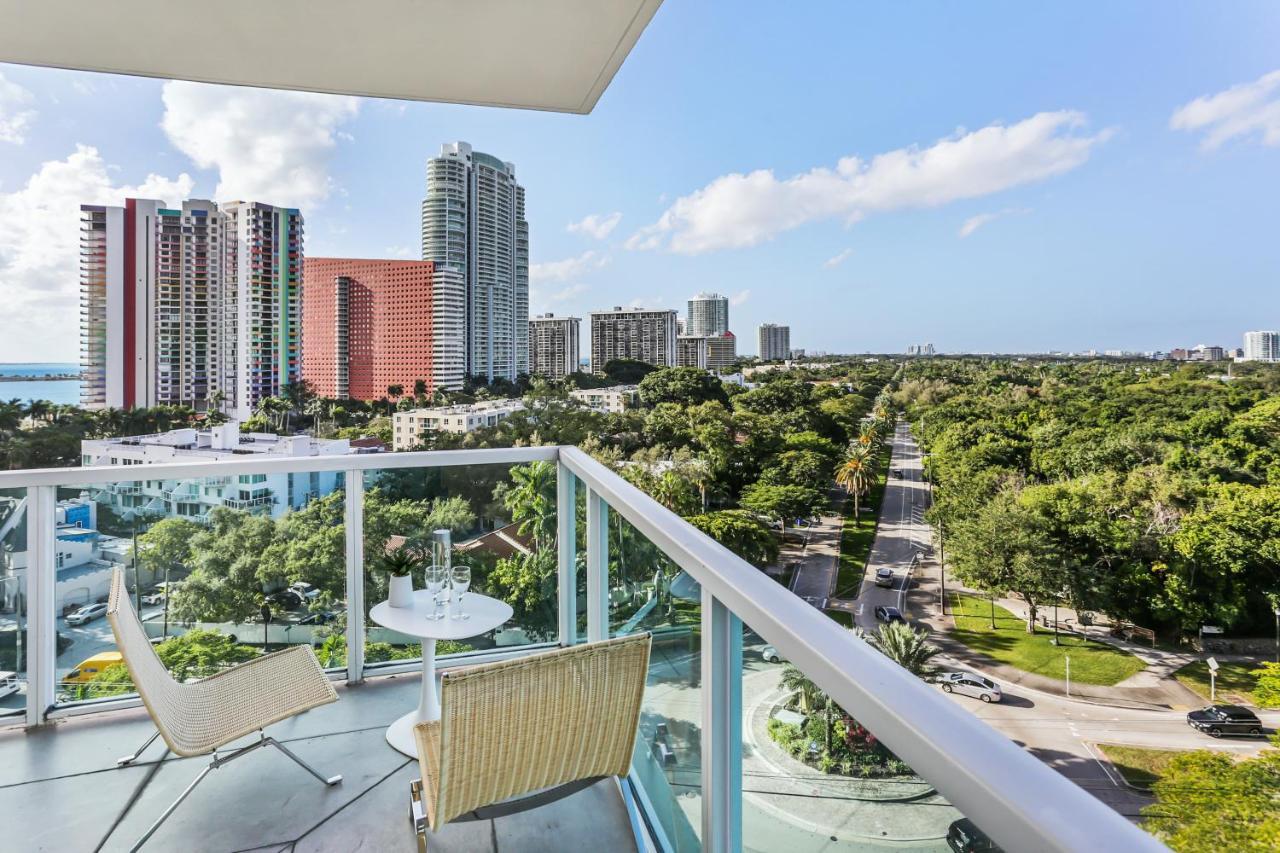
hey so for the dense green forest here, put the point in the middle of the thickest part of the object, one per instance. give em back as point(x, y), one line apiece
point(1148, 491)
point(727, 458)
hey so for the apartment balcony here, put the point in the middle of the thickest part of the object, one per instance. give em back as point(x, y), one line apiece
point(704, 774)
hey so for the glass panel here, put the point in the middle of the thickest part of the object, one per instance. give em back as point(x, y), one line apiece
point(220, 571)
point(648, 592)
point(814, 779)
point(580, 559)
point(13, 601)
point(502, 521)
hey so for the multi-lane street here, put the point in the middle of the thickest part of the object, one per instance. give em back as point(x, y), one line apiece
point(1062, 732)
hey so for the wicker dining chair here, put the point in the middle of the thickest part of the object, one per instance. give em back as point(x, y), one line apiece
point(552, 723)
point(200, 717)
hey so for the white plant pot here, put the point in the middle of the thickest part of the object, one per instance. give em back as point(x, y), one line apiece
point(401, 591)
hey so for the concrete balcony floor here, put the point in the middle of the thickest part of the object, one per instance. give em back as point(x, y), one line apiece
point(60, 790)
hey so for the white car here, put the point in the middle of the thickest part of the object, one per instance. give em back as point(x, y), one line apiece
point(884, 577)
point(154, 597)
point(87, 614)
point(770, 654)
point(970, 684)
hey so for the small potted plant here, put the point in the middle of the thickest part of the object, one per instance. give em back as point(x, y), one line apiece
point(399, 564)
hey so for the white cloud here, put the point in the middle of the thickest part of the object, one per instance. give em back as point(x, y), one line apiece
point(596, 225)
point(1243, 110)
point(738, 210)
point(39, 247)
point(269, 146)
point(836, 260)
point(973, 223)
point(566, 269)
point(740, 298)
point(16, 115)
point(398, 252)
point(539, 296)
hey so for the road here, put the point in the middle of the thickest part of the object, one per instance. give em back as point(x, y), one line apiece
point(902, 531)
point(1062, 732)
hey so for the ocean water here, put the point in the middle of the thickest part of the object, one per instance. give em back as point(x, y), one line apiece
point(62, 392)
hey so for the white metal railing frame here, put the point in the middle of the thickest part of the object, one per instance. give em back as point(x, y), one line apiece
point(1020, 802)
point(1015, 798)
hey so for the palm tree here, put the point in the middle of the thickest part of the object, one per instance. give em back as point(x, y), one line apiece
point(795, 681)
point(907, 647)
point(855, 475)
point(531, 500)
point(811, 697)
point(394, 392)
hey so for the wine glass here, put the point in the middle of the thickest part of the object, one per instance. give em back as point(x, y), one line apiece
point(436, 577)
point(461, 578)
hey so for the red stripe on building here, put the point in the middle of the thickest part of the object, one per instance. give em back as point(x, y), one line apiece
point(130, 301)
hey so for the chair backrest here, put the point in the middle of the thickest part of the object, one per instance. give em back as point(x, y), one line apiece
point(537, 722)
point(160, 692)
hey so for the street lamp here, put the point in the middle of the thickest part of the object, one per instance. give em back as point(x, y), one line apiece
point(1277, 612)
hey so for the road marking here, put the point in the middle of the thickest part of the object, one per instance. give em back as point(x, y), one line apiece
point(1102, 765)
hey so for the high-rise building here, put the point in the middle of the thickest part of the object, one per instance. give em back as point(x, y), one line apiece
point(774, 342)
point(722, 351)
point(554, 347)
point(473, 221)
point(1262, 346)
point(641, 334)
point(691, 352)
point(262, 302)
point(164, 291)
point(708, 315)
point(370, 324)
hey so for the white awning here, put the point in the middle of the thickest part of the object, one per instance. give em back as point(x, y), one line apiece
point(537, 54)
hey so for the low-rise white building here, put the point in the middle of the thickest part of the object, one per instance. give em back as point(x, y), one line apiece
point(193, 498)
point(409, 425)
point(611, 400)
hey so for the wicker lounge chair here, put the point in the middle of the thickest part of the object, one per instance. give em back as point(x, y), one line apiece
point(200, 717)
point(552, 723)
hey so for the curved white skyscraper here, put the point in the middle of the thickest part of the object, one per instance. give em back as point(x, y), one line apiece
point(473, 221)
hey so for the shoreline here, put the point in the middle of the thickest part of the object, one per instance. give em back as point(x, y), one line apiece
point(48, 377)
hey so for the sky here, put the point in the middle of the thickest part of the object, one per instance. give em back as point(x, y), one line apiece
point(1005, 177)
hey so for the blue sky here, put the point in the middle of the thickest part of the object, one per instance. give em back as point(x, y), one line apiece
point(1105, 206)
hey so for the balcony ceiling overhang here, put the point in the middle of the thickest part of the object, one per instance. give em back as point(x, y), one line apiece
point(555, 55)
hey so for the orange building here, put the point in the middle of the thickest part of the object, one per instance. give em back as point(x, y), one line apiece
point(367, 325)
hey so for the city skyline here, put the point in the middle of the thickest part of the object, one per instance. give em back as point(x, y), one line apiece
point(1022, 204)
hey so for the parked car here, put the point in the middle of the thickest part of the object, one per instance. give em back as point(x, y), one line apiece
point(889, 614)
point(770, 654)
point(304, 590)
point(285, 599)
point(884, 577)
point(87, 614)
point(320, 617)
point(970, 684)
point(963, 836)
point(155, 596)
point(1219, 720)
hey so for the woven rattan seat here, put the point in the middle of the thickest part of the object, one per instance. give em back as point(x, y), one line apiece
point(540, 722)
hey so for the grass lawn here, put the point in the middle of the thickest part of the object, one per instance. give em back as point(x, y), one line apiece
point(1234, 681)
point(1140, 767)
point(1091, 662)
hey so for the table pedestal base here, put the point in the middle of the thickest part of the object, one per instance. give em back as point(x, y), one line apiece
point(400, 734)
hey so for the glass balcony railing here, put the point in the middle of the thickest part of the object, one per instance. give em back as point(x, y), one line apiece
point(764, 725)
